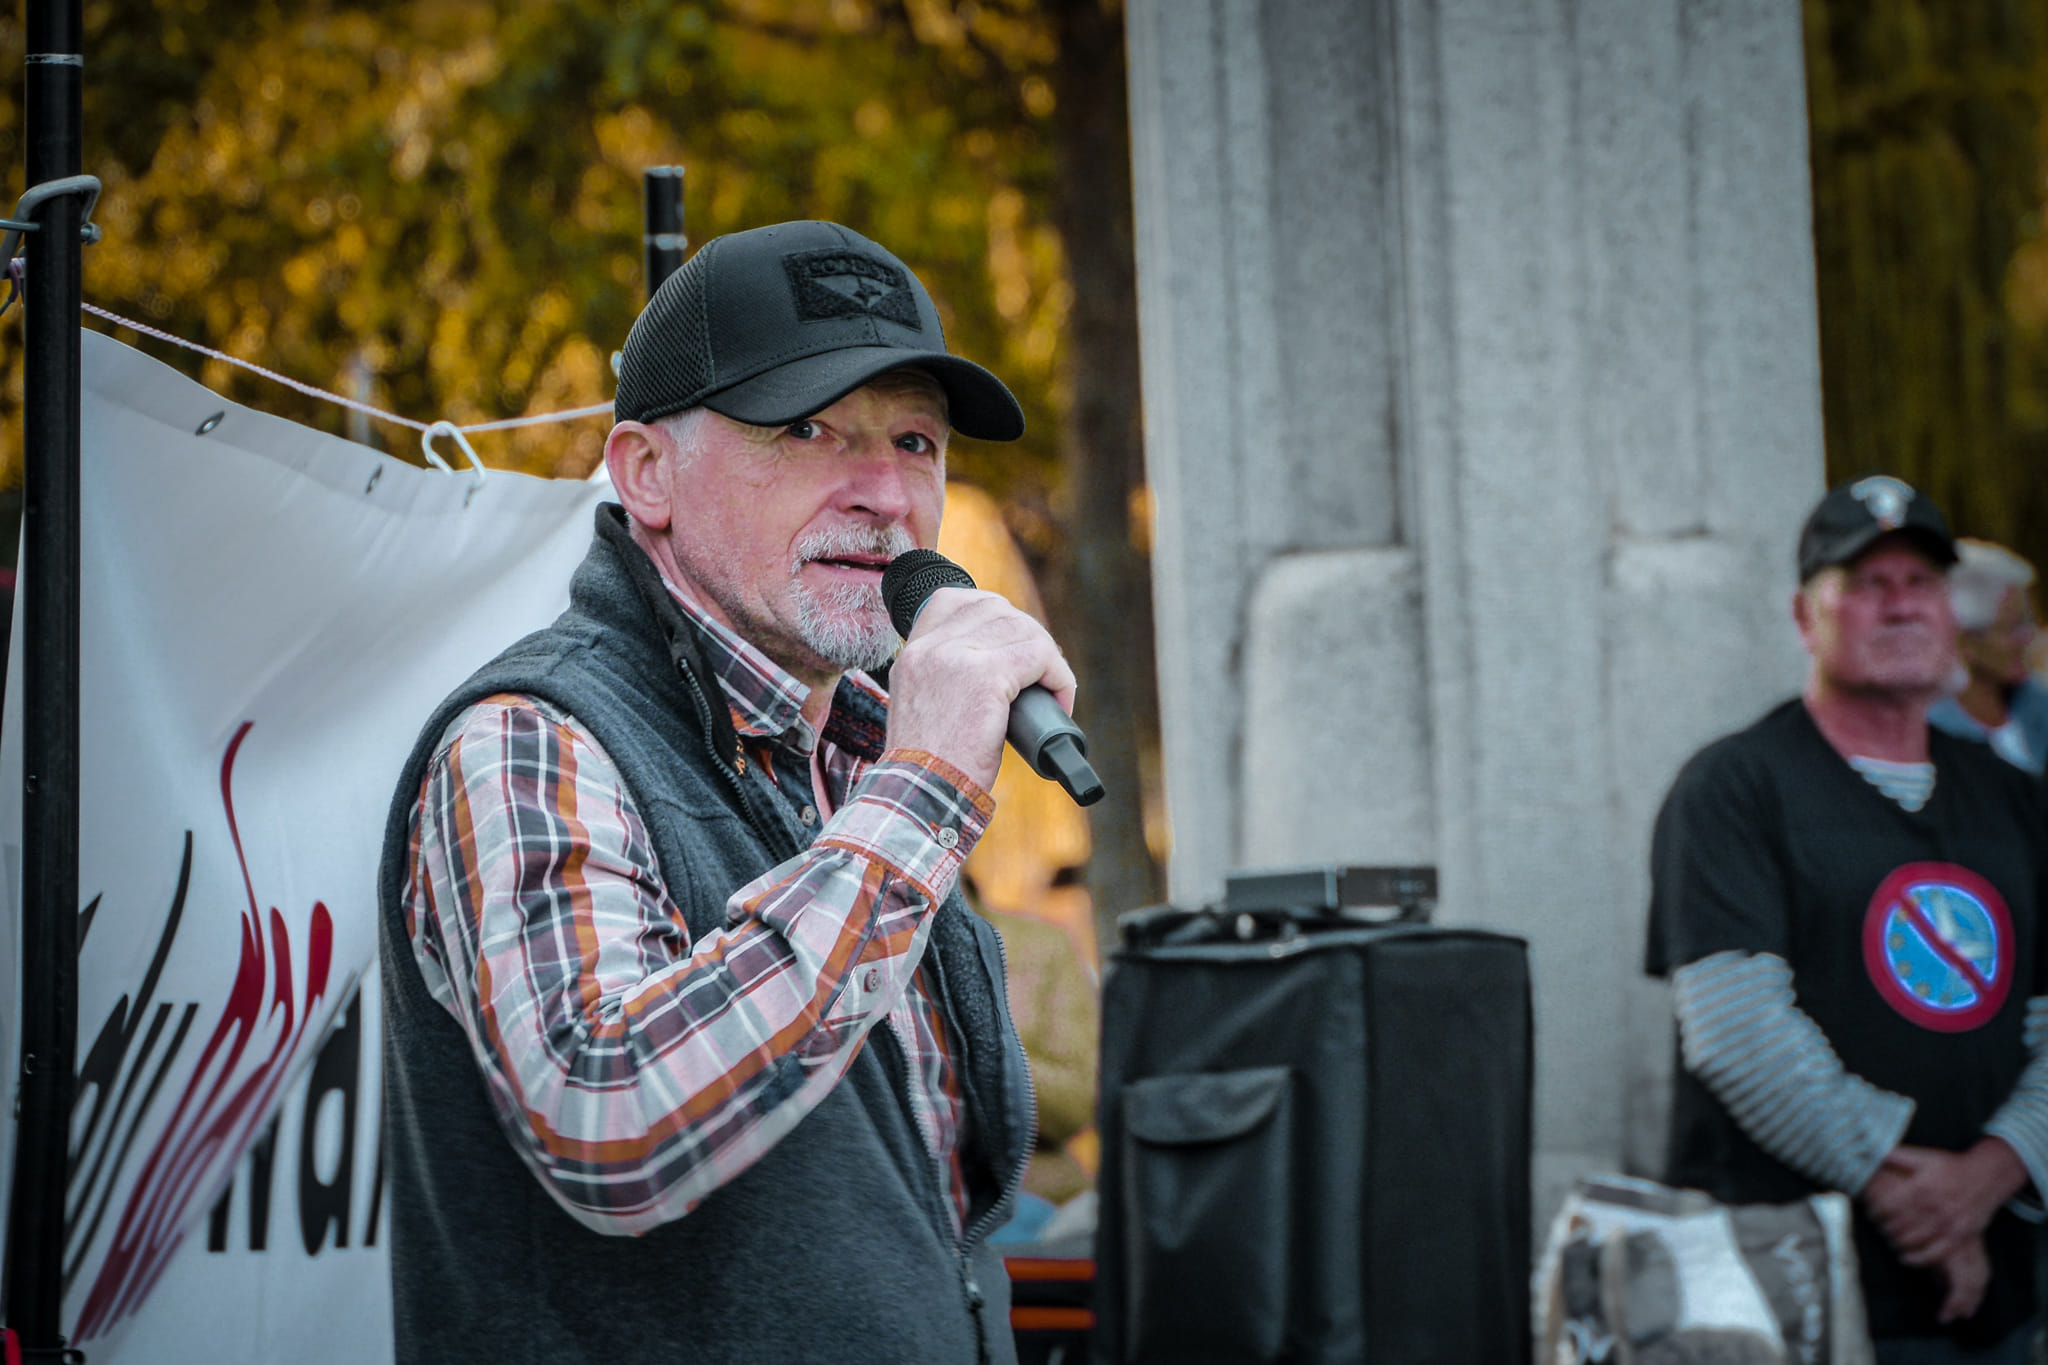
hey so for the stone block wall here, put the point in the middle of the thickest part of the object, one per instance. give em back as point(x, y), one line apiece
point(1482, 405)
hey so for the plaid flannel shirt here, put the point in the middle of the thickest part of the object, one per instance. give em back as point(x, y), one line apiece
point(631, 1068)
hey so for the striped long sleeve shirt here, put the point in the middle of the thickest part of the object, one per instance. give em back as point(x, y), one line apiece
point(632, 1069)
point(1743, 1034)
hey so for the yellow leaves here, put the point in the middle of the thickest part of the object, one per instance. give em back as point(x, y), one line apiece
point(936, 23)
point(475, 65)
point(1027, 277)
point(357, 313)
point(251, 337)
point(852, 16)
point(1142, 512)
point(302, 274)
point(576, 376)
point(451, 342)
point(219, 155)
point(516, 375)
point(1023, 34)
point(1038, 346)
point(448, 191)
point(952, 212)
point(428, 87)
point(747, 127)
point(1928, 145)
point(411, 157)
point(731, 188)
point(2026, 286)
point(1008, 265)
point(171, 218)
point(604, 200)
point(872, 119)
point(550, 312)
point(1037, 94)
point(632, 140)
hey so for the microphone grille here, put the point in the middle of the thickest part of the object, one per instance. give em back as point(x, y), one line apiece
point(914, 576)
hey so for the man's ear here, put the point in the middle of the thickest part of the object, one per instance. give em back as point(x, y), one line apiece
point(1802, 610)
point(633, 457)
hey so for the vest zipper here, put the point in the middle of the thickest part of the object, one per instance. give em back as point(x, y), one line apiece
point(1016, 1182)
point(976, 1300)
point(726, 768)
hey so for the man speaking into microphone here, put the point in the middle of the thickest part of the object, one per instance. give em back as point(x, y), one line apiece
point(693, 1049)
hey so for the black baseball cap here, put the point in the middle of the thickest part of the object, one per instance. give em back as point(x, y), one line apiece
point(773, 324)
point(1853, 515)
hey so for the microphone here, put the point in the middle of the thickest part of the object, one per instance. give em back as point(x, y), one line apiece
point(1039, 730)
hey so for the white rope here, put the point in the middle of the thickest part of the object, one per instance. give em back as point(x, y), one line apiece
point(505, 424)
point(568, 415)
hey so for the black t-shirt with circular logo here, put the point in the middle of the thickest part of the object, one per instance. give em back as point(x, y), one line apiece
point(1914, 941)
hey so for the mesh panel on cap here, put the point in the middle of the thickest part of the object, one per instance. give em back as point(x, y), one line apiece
point(667, 361)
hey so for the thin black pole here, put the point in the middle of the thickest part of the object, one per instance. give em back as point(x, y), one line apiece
point(665, 240)
point(50, 561)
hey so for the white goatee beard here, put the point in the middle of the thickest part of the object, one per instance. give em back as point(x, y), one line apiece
point(847, 625)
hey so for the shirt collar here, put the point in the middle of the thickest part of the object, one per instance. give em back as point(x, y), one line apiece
point(767, 703)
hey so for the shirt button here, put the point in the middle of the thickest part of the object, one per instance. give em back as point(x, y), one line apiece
point(948, 837)
point(809, 815)
point(873, 980)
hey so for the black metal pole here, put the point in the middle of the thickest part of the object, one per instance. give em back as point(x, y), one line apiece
point(665, 240)
point(50, 562)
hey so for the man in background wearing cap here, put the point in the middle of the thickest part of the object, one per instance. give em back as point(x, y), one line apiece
point(1848, 906)
point(693, 1050)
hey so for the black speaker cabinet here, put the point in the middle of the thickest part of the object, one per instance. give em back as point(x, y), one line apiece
point(1315, 1133)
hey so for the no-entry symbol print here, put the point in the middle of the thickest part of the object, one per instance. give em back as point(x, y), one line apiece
point(1937, 941)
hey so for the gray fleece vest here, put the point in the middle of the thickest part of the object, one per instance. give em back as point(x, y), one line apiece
point(836, 1246)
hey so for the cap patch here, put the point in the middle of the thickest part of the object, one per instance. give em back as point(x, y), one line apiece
point(1885, 498)
point(838, 283)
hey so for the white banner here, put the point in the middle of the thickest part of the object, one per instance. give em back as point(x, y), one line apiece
point(268, 614)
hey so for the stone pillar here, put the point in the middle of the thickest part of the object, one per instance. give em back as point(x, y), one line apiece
point(1482, 404)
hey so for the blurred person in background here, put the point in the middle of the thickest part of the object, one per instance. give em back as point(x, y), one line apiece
point(1848, 903)
point(1999, 700)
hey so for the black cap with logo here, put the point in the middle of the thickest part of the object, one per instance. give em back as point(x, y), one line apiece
point(771, 325)
point(1853, 515)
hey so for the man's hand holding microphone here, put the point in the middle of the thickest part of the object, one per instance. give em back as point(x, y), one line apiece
point(975, 670)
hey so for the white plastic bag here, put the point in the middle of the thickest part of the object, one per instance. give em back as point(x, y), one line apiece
point(1637, 1273)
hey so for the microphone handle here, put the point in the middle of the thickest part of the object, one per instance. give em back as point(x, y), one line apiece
point(1052, 744)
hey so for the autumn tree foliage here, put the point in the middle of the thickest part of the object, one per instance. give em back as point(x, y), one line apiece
point(1930, 173)
point(435, 206)
point(437, 202)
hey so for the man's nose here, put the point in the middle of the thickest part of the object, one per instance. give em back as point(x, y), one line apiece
point(877, 482)
point(1901, 602)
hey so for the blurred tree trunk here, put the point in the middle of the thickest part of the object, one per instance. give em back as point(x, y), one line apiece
point(1933, 275)
point(1107, 590)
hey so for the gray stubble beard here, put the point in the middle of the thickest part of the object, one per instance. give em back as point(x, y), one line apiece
point(847, 625)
